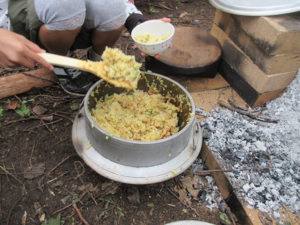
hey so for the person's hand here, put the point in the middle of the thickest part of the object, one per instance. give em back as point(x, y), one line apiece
point(164, 19)
point(17, 50)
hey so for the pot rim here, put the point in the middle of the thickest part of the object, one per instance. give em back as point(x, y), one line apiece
point(91, 121)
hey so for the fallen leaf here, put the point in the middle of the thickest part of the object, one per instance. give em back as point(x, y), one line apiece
point(183, 196)
point(183, 14)
point(134, 196)
point(89, 187)
point(47, 118)
point(191, 184)
point(37, 206)
point(34, 171)
point(53, 221)
point(65, 199)
point(42, 217)
point(24, 217)
point(39, 110)
point(13, 105)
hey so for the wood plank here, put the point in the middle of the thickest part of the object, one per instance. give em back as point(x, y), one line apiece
point(270, 64)
point(245, 67)
point(19, 83)
point(225, 187)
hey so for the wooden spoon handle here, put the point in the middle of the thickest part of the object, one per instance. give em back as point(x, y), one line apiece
point(64, 61)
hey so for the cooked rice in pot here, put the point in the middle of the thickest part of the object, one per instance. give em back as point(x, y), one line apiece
point(137, 115)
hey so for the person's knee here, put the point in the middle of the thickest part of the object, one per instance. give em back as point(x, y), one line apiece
point(61, 15)
point(105, 15)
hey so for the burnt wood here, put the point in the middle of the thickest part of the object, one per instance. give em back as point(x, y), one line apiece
point(248, 93)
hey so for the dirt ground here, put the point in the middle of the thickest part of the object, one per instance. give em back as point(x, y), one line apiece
point(41, 176)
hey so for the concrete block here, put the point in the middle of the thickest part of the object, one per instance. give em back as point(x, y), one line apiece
point(273, 34)
point(247, 69)
point(270, 64)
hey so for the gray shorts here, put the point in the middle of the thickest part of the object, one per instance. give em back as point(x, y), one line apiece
point(102, 15)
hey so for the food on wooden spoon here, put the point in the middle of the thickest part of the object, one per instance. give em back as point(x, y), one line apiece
point(117, 68)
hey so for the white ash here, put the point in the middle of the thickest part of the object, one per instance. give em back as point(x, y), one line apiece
point(209, 194)
point(239, 142)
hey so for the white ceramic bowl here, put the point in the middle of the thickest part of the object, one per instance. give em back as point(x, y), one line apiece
point(156, 27)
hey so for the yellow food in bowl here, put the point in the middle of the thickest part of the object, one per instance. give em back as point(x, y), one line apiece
point(137, 115)
point(151, 38)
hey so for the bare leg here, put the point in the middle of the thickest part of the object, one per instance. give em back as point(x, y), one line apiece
point(101, 39)
point(58, 42)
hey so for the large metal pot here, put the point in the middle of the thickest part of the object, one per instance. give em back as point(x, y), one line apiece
point(141, 153)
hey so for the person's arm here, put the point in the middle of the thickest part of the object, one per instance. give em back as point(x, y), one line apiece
point(17, 50)
point(134, 16)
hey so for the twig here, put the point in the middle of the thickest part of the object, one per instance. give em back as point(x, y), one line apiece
point(64, 116)
point(186, 205)
point(259, 118)
point(79, 214)
point(32, 150)
point(61, 175)
point(214, 89)
point(230, 214)
point(59, 142)
point(47, 127)
point(40, 125)
point(20, 120)
point(70, 93)
point(160, 5)
point(238, 107)
point(205, 172)
point(61, 162)
point(67, 206)
point(79, 176)
point(8, 173)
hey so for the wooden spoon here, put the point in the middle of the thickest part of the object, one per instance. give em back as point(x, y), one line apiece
point(96, 68)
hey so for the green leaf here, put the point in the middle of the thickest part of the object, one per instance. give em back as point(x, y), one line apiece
point(150, 205)
point(152, 9)
point(53, 221)
point(1, 111)
point(23, 110)
point(225, 219)
point(121, 211)
point(75, 106)
point(101, 215)
point(29, 100)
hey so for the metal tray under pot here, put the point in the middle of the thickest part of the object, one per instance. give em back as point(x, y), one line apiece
point(141, 153)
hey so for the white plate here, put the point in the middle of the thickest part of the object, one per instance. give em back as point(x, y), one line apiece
point(257, 7)
point(133, 175)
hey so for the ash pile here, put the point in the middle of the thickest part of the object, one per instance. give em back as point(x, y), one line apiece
point(271, 149)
